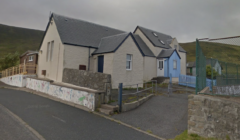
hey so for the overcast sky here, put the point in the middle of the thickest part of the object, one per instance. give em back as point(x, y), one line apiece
point(184, 19)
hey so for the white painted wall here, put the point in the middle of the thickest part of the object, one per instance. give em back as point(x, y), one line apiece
point(108, 63)
point(119, 72)
point(54, 68)
point(75, 56)
point(75, 96)
point(150, 68)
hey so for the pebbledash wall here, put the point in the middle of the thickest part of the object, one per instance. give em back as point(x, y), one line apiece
point(83, 98)
point(214, 116)
point(16, 80)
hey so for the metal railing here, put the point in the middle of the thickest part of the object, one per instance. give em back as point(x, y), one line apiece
point(135, 91)
point(19, 69)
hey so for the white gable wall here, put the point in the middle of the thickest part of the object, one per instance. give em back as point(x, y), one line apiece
point(53, 68)
point(119, 72)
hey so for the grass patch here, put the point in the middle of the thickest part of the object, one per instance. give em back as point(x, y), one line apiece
point(186, 136)
point(149, 131)
point(163, 85)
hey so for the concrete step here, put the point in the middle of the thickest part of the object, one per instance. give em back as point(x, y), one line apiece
point(106, 111)
point(109, 107)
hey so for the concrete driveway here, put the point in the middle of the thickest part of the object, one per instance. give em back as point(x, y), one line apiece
point(164, 116)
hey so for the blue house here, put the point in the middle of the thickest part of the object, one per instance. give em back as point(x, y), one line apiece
point(169, 63)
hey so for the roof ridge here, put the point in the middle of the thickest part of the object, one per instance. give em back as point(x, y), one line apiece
point(86, 21)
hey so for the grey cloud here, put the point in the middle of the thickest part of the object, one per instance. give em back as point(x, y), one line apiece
point(184, 19)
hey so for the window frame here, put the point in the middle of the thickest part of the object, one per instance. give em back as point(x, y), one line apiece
point(173, 64)
point(130, 61)
point(51, 50)
point(31, 58)
point(47, 52)
point(159, 64)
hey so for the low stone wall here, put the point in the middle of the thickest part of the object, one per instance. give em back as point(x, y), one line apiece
point(98, 81)
point(211, 116)
point(133, 105)
point(83, 98)
point(16, 80)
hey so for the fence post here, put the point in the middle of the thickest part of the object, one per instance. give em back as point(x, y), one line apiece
point(120, 97)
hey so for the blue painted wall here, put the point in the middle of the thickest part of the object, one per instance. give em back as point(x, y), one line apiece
point(168, 66)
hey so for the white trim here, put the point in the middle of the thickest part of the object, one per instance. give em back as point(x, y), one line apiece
point(30, 58)
point(130, 61)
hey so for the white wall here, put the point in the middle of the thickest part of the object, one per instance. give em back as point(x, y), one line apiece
point(108, 63)
point(150, 68)
point(75, 56)
point(119, 72)
point(16, 80)
point(75, 96)
point(54, 68)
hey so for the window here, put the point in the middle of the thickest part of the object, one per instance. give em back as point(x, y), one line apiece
point(161, 41)
point(48, 48)
point(30, 58)
point(52, 45)
point(82, 67)
point(129, 62)
point(160, 65)
point(155, 34)
point(174, 64)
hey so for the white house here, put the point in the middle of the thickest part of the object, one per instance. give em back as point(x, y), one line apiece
point(129, 57)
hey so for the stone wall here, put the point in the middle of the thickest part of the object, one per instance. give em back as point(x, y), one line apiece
point(211, 116)
point(93, 80)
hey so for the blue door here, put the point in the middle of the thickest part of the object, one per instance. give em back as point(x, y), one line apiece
point(100, 63)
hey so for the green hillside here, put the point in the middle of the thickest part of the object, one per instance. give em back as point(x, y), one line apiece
point(222, 52)
point(18, 39)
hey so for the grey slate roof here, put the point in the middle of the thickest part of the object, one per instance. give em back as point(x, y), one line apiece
point(167, 39)
point(165, 53)
point(111, 43)
point(78, 32)
point(181, 49)
point(156, 39)
point(144, 48)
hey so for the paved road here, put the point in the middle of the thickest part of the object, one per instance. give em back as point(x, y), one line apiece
point(57, 121)
point(12, 129)
point(164, 116)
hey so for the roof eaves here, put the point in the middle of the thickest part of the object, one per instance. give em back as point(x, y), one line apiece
point(121, 42)
point(137, 45)
point(80, 45)
point(45, 31)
